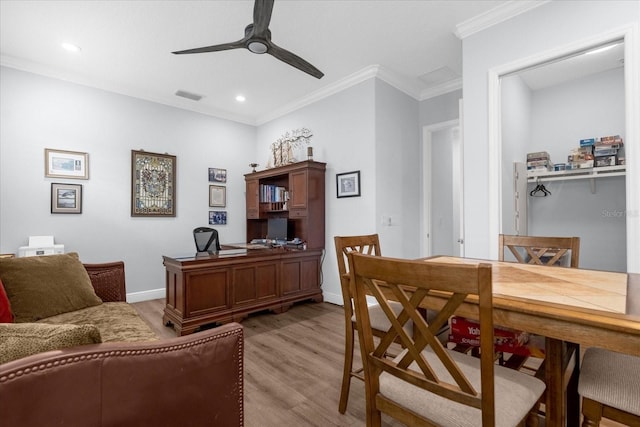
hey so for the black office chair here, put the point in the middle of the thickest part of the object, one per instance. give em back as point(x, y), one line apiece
point(204, 238)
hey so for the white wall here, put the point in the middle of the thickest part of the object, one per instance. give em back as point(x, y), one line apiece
point(439, 109)
point(344, 138)
point(372, 128)
point(540, 30)
point(38, 112)
point(398, 172)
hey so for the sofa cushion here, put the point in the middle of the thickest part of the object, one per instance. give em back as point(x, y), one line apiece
point(18, 340)
point(6, 316)
point(43, 286)
point(117, 321)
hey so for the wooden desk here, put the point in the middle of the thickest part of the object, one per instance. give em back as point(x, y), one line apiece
point(585, 307)
point(229, 285)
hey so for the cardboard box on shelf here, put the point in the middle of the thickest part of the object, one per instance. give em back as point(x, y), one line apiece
point(605, 161)
point(540, 164)
point(585, 164)
point(587, 141)
point(538, 155)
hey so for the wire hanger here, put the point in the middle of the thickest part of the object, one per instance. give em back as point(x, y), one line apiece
point(540, 190)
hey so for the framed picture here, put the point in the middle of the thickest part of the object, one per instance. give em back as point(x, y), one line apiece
point(348, 184)
point(66, 164)
point(217, 217)
point(217, 196)
point(66, 198)
point(217, 175)
point(153, 184)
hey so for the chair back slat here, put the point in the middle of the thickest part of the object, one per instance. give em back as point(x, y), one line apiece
point(540, 250)
point(425, 362)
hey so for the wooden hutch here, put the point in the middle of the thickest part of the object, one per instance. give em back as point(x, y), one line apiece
point(303, 183)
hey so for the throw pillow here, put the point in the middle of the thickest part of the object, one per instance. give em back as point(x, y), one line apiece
point(43, 286)
point(5, 308)
point(18, 340)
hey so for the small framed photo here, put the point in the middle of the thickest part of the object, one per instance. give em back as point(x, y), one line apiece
point(217, 196)
point(66, 164)
point(348, 184)
point(66, 198)
point(217, 175)
point(218, 217)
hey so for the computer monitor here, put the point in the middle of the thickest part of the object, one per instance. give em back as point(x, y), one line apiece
point(277, 229)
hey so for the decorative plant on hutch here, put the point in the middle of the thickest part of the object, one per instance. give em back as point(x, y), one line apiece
point(282, 149)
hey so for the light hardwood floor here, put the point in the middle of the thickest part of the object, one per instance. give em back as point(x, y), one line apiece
point(293, 367)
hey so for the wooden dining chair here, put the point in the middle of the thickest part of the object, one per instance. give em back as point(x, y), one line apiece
point(370, 245)
point(427, 384)
point(610, 387)
point(540, 250)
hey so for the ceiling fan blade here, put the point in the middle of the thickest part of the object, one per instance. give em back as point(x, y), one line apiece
point(262, 16)
point(214, 48)
point(294, 60)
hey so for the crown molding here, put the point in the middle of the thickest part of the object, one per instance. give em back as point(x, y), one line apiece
point(373, 71)
point(367, 73)
point(496, 15)
point(402, 84)
point(447, 87)
point(352, 80)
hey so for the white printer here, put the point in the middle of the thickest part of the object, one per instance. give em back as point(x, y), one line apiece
point(40, 245)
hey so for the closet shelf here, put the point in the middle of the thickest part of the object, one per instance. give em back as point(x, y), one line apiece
point(591, 173)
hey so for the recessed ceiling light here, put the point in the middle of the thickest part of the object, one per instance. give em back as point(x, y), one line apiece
point(71, 47)
point(240, 98)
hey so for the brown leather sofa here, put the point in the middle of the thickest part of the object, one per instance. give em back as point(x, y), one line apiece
point(194, 380)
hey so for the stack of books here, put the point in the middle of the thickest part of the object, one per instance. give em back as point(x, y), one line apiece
point(539, 161)
point(597, 152)
point(606, 151)
point(580, 157)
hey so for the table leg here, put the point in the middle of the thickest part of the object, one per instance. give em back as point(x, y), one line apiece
point(562, 361)
point(573, 398)
point(554, 406)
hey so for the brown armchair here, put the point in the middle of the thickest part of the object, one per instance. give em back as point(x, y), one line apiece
point(194, 380)
point(108, 281)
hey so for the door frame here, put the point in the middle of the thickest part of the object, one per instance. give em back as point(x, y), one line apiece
point(631, 36)
point(426, 246)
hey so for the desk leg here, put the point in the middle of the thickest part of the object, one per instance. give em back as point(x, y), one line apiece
point(554, 406)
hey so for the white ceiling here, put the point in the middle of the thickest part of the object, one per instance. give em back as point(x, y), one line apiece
point(126, 47)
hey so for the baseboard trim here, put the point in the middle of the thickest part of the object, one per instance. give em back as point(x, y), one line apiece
point(146, 295)
point(332, 298)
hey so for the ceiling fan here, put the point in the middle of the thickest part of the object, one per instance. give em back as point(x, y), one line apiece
point(257, 38)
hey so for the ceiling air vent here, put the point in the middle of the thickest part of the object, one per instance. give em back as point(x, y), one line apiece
point(189, 95)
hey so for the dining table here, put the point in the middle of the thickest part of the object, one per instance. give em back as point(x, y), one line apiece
point(569, 307)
